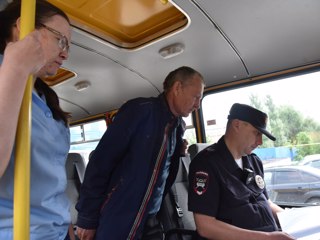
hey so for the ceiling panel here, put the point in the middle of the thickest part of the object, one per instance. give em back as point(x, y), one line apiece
point(269, 35)
point(127, 24)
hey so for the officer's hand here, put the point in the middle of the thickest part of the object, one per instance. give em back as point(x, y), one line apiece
point(85, 234)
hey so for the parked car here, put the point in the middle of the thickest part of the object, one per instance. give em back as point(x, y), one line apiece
point(293, 185)
point(311, 160)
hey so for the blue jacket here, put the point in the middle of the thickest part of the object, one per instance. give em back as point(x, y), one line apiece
point(120, 175)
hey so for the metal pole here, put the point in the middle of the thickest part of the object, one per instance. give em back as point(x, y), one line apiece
point(21, 205)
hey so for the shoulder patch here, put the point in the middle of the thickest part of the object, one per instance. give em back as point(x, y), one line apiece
point(201, 181)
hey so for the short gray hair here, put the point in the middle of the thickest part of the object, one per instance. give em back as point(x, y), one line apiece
point(182, 74)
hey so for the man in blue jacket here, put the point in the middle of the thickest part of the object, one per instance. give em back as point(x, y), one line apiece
point(137, 160)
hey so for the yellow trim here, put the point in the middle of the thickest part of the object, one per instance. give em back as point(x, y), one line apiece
point(95, 117)
point(61, 76)
point(21, 208)
point(124, 23)
point(89, 119)
point(197, 125)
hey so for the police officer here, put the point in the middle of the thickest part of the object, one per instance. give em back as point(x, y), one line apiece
point(227, 193)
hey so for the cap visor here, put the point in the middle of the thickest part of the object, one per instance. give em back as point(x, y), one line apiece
point(265, 132)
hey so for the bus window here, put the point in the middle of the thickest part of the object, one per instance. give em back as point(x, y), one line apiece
point(85, 137)
point(294, 119)
point(190, 133)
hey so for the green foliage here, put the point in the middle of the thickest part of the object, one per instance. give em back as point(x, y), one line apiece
point(190, 136)
point(304, 147)
point(289, 127)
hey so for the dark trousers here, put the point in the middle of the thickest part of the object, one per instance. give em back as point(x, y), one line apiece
point(153, 229)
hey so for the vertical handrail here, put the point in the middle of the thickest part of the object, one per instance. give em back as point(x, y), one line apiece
point(21, 205)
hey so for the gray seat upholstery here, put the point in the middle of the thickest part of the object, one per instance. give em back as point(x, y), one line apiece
point(75, 168)
point(79, 163)
point(177, 220)
point(174, 212)
point(195, 148)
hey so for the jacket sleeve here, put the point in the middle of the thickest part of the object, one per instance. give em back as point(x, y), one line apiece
point(107, 155)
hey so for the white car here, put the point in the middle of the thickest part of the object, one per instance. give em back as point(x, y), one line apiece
point(311, 160)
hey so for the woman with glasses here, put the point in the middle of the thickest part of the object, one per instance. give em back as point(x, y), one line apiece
point(41, 54)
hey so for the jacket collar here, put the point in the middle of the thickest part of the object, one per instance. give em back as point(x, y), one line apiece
point(230, 163)
point(167, 112)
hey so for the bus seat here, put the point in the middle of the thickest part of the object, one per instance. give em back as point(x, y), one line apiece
point(79, 163)
point(195, 148)
point(75, 169)
point(177, 220)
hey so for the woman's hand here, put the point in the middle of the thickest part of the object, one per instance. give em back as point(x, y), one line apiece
point(25, 56)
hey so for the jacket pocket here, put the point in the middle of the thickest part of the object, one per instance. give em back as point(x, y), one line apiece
point(111, 196)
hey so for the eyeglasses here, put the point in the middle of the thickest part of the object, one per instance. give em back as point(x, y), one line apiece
point(62, 39)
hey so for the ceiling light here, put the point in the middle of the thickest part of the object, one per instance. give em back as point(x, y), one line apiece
point(171, 50)
point(82, 85)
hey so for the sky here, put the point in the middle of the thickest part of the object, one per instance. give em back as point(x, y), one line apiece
point(301, 92)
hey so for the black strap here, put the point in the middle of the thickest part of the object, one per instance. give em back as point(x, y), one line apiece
point(186, 162)
point(179, 211)
point(173, 191)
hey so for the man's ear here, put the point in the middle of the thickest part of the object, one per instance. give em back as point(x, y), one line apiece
point(176, 87)
point(18, 24)
point(236, 124)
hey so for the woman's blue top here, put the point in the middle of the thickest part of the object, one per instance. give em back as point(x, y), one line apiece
point(49, 205)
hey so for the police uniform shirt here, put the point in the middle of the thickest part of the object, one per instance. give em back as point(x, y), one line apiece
point(221, 189)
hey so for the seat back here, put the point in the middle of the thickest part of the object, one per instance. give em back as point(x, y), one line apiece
point(177, 220)
point(174, 212)
point(79, 163)
point(195, 148)
point(75, 168)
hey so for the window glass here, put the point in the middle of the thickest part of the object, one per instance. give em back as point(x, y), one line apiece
point(294, 177)
point(95, 130)
point(309, 178)
point(76, 134)
point(285, 177)
point(292, 106)
point(190, 133)
point(267, 178)
point(315, 164)
point(85, 137)
point(188, 121)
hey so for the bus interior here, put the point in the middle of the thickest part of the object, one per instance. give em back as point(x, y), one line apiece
point(262, 53)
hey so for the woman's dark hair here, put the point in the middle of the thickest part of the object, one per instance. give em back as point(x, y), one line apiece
point(9, 16)
point(44, 11)
point(52, 101)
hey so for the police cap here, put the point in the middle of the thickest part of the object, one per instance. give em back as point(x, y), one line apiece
point(251, 115)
